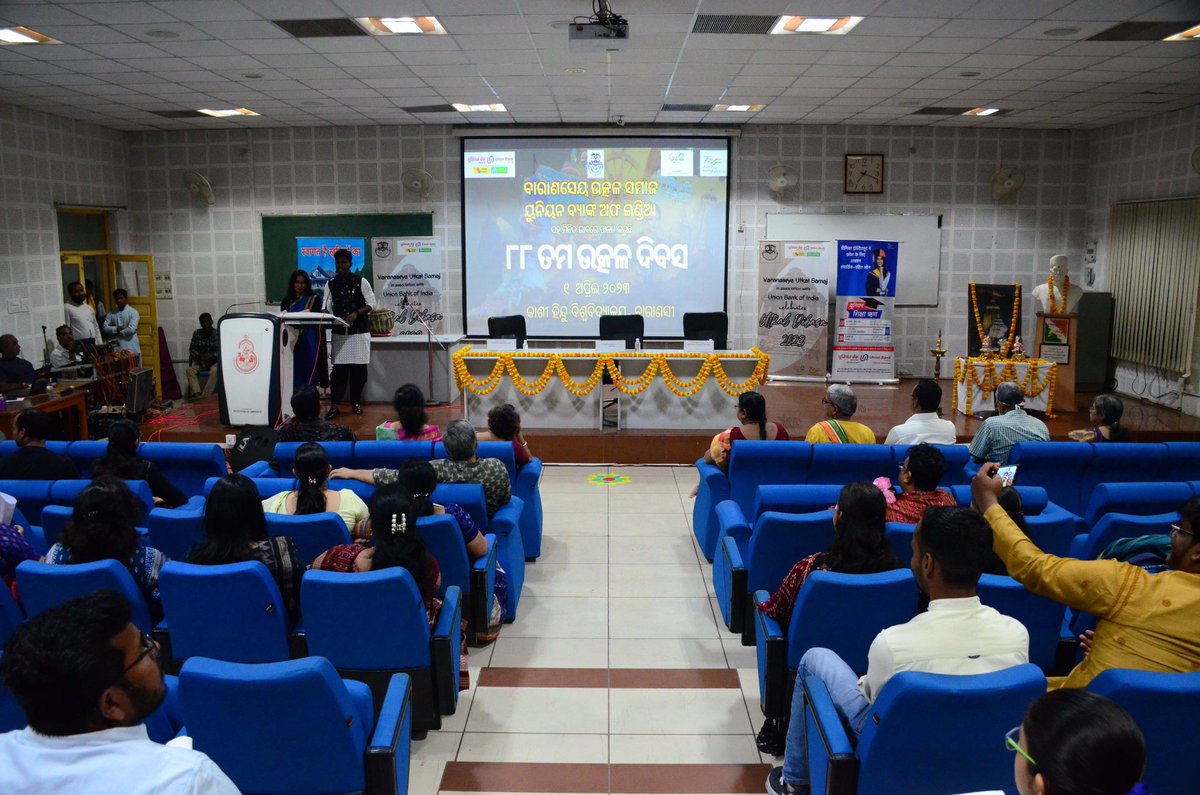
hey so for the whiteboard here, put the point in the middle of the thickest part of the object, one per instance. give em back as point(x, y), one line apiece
point(919, 238)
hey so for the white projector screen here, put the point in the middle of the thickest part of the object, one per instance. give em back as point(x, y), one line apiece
point(563, 230)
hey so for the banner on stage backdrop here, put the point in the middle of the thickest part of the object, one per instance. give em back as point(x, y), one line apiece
point(793, 305)
point(409, 281)
point(863, 348)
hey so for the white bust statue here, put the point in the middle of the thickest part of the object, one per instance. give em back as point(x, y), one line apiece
point(1062, 284)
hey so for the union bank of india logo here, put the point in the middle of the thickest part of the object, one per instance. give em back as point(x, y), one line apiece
point(246, 360)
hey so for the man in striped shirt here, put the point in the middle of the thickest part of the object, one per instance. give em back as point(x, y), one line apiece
point(996, 438)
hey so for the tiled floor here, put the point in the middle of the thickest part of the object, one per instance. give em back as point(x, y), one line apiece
point(616, 676)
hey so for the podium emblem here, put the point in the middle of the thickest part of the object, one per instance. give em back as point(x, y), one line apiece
point(246, 360)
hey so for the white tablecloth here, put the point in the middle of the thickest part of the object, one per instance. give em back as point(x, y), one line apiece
point(984, 403)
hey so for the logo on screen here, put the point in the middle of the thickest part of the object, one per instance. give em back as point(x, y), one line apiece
point(595, 163)
point(383, 249)
point(246, 360)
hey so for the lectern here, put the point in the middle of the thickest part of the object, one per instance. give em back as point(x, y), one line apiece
point(255, 377)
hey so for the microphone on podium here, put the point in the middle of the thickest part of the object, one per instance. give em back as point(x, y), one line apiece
point(242, 303)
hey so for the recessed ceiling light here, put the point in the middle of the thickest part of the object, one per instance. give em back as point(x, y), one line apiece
point(220, 114)
point(575, 70)
point(981, 111)
point(1188, 35)
point(1060, 32)
point(389, 26)
point(737, 108)
point(20, 35)
point(495, 107)
point(159, 33)
point(829, 25)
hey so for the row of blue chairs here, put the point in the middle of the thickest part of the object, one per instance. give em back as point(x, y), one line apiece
point(185, 464)
point(390, 455)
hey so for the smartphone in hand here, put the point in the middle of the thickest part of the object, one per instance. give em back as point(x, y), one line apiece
point(1007, 475)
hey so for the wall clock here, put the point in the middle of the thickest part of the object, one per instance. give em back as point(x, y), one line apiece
point(863, 174)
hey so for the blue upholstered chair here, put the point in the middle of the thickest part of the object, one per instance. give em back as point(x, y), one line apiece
point(1058, 467)
point(313, 533)
point(11, 616)
point(899, 535)
point(232, 612)
point(842, 612)
point(64, 492)
point(187, 465)
point(925, 733)
point(1166, 707)
point(1184, 460)
point(1126, 462)
point(752, 560)
point(505, 525)
point(957, 456)
point(524, 485)
point(9, 447)
point(295, 727)
point(1115, 526)
point(85, 452)
point(31, 496)
point(1034, 499)
point(805, 498)
point(174, 532)
point(46, 585)
point(1041, 617)
point(373, 624)
point(1141, 499)
point(840, 464)
point(389, 454)
point(713, 489)
point(1053, 530)
point(443, 539)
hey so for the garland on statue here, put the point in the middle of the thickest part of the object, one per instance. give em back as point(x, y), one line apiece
point(1066, 290)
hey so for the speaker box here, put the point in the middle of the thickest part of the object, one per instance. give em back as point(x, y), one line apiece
point(253, 444)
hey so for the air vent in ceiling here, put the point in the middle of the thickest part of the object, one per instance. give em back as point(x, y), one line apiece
point(181, 114)
point(688, 108)
point(320, 28)
point(1139, 31)
point(752, 24)
point(938, 111)
point(430, 109)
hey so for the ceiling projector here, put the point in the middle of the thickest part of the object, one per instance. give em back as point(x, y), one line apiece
point(597, 36)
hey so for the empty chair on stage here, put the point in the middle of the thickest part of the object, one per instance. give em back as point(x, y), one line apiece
point(707, 326)
point(507, 327)
point(629, 328)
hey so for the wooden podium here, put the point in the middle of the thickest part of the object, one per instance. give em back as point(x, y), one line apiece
point(1056, 343)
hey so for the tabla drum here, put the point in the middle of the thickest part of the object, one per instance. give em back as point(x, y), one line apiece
point(382, 321)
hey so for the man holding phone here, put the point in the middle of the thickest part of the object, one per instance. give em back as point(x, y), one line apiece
point(996, 438)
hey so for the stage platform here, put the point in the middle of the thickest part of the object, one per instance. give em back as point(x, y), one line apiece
point(796, 405)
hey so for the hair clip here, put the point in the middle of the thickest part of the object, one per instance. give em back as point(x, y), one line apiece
point(401, 527)
point(312, 481)
point(421, 495)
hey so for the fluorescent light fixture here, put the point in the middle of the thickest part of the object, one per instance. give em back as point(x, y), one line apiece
point(835, 26)
point(220, 114)
point(391, 26)
point(495, 107)
point(1191, 34)
point(981, 111)
point(20, 35)
point(737, 108)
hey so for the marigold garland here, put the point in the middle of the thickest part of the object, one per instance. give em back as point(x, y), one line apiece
point(965, 371)
point(1066, 290)
point(658, 365)
point(1012, 326)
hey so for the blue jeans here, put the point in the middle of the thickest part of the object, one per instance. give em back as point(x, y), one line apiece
point(851, 705)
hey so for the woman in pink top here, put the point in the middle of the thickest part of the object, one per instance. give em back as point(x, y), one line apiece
point(412, 424)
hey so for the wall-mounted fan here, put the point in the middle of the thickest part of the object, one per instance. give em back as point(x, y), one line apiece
point(1006, 181)
point(418, 181)
point(781, 179)
point(199, 186)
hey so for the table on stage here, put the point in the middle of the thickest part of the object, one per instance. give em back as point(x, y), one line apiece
point(976, 379)
point(73, 407)
point(655, 389)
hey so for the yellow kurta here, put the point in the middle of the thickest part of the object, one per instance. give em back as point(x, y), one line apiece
point(855, 431)
point(1146, 622)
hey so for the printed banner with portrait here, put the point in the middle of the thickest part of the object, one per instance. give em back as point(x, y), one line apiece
point(863, 347)
point(409, 282)
point(992, 310)
point(793, 305)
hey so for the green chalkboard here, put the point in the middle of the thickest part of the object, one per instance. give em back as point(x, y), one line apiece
point(280, 233)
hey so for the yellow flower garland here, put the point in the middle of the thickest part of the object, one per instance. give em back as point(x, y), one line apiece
point(1054, 308)
point(658, 365)
point(1012, 326)
point(965, 371)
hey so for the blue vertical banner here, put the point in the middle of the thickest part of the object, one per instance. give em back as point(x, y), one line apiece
point(863, 348)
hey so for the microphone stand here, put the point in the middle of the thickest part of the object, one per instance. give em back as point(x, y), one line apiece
point(430, 339)
point(243, 303)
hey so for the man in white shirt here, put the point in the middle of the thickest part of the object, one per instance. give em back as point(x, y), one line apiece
point(957, 635)
point(87, 678)
point(122, 323)
point(62, 355)
point(924, 425)
point(81, 317)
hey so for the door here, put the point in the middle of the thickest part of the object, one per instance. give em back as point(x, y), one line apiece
point(135, 274)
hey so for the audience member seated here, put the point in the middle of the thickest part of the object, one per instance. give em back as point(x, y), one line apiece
point(15, 372)
point(14, 550)
point(101, 528)
point(419, 478)
point(311, 468)
point(1105, 415)
point(752, 424)
point(204, 353)
point(504, 425)
point(924, 425)
point(86, 679)
point(840, 405)
point(957, 635)
point(394, 542)
point(235, 531)
point(1073, 741)
point(463, 466)
point(412, 423)
point(1146, 622)
point(919, 476)
point(33, 461)
point(64, 354)
point(306, 425)
point(121, 461)
point(995, 439)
